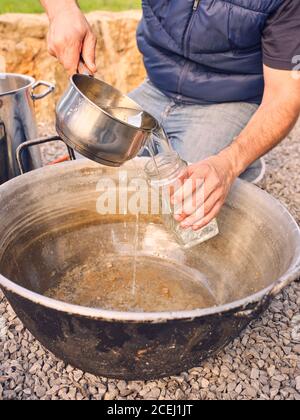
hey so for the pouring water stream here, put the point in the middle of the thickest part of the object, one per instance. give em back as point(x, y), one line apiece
point(134, 117)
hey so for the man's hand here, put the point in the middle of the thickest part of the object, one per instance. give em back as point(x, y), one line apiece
point(216, 176)
point(272, 122)
point(70, 37)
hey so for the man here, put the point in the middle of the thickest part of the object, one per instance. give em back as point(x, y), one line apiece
point(221, 81)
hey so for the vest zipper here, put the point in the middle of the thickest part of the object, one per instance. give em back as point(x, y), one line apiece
point(196, 4)
point(186, 42)
point(189, 28)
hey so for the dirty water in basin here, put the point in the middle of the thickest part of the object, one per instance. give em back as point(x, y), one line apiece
point(159, 285)
point(82, 258)
point(129, 280)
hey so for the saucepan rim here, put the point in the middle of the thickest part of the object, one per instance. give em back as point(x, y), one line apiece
point(273, 289)
point(30, 80)
point(138, 108)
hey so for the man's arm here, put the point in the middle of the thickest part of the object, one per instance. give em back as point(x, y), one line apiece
point(70, 37)
point(272, 122)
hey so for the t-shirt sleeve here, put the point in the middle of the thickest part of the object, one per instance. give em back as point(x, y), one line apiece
point(281, 37)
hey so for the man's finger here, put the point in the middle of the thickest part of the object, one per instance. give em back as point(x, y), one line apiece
point(70, 58)
point(83, 69)
point(189, 186)
point(51, 48)
point(195, 173)
point(190, 204)
point(209, 217)
point(187, 172)
point(195, 192)
point(89, 52)
point(210, 185)
point(202, 211)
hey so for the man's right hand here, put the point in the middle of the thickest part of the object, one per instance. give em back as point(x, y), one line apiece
point(70, 37)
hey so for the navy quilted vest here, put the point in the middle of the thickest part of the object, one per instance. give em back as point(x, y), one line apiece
point(205, 51)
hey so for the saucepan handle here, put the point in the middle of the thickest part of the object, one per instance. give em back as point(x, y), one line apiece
point(82, 69)
point(50, 88)
point(28, 144)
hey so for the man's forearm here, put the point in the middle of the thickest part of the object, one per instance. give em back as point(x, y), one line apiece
point(269, 126)
point(52, 7)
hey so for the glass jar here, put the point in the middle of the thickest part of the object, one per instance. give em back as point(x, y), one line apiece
point(162, 172)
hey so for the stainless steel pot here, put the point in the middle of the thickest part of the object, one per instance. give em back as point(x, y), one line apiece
point(17, 121)
point(101, 123)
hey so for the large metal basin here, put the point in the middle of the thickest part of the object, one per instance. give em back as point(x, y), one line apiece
point(49, 224)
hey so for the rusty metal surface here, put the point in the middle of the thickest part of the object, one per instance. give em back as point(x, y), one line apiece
point(254, 257)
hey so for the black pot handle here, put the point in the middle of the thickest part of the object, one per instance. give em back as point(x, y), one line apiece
point(28, 144)
point(3, 127)
point(3, 151)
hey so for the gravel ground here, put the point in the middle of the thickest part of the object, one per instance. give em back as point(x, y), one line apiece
point(264, 363)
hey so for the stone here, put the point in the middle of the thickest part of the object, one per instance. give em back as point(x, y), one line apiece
point(204, 383)
point(34, 368)
point(239, 389)
point(251, 392)
point(271, 371)
point(40, 391)
point(296, 349)
point(77, 375)
point(153, 394)
point(255, 374)
point(298, 383)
